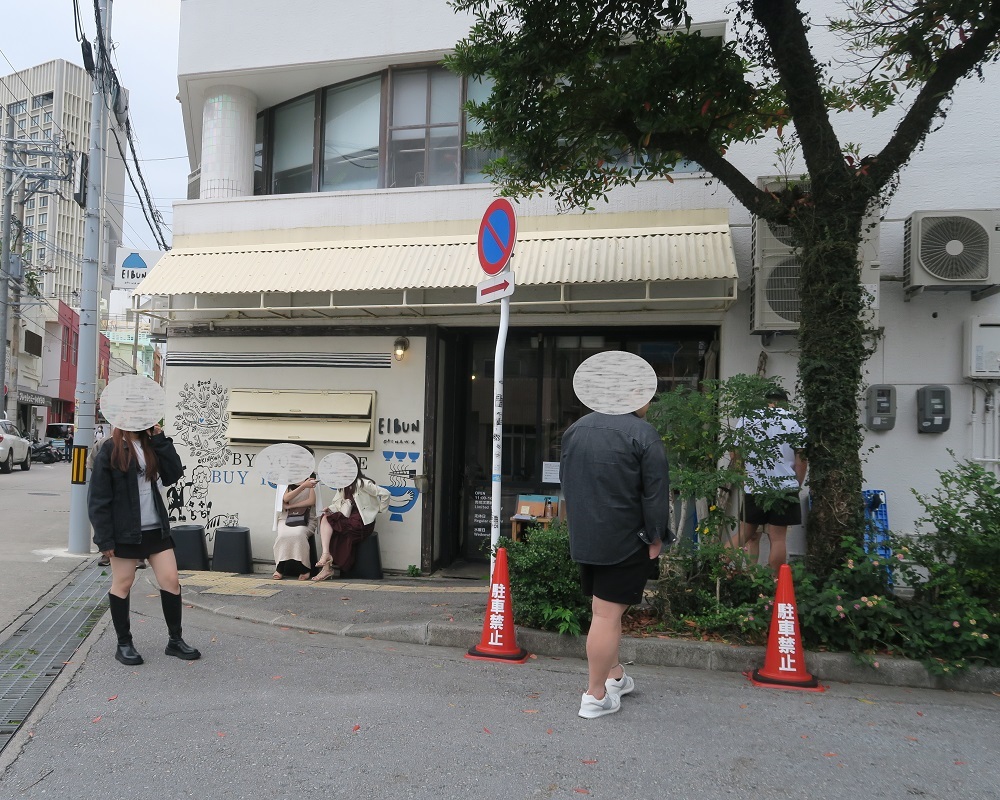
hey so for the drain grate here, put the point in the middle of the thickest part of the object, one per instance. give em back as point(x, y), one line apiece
point(34, 655)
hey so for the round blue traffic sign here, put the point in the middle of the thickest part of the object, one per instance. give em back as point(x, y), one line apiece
point(497, 233)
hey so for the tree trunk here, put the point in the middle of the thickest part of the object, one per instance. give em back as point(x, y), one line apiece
point(831, 337)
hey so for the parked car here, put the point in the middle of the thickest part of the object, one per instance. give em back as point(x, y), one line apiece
point(14, 448)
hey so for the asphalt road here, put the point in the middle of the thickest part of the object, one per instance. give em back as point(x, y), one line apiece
point(282, 713)
point(34, 533)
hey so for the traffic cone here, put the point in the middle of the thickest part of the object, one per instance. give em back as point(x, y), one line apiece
point(499, 642)
point(785, 663)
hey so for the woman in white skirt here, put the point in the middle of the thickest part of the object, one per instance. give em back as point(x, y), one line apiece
point(292, 557)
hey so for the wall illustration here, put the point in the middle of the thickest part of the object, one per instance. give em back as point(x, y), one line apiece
point(401, 470)
point(202, 421)
point(202, 424)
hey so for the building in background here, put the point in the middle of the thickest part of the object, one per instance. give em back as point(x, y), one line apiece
point(322, 285)
point(50, 105)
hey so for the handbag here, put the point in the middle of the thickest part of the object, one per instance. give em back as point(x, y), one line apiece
point(298, 517)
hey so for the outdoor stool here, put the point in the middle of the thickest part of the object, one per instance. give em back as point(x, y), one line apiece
point(368, 561)
point(232, 550)
point(190, 547)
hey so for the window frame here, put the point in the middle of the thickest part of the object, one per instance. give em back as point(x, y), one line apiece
point(319, 95)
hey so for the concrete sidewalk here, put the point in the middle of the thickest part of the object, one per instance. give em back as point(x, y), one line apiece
point(449, 612)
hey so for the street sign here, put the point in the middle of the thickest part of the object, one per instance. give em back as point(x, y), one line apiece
point(497, 233)
point(133, 265)
point(494, 288)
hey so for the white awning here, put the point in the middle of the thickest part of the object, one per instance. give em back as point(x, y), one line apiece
point(692, 265)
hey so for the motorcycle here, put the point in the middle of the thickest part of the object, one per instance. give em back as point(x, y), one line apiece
point(45, 453)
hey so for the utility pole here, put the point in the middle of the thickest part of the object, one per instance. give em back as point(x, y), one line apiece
point(90, 300)
point(8, 207)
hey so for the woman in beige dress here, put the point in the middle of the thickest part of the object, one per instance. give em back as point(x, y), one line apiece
point(291, 545)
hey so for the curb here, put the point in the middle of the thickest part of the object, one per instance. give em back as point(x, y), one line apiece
point(839, 667)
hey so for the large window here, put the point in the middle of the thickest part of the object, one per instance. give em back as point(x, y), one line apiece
point(292, 158)
point(350, 136)
point(401, 128)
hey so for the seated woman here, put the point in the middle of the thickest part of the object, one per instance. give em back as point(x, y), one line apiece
point(291, 546)
point(347, 522)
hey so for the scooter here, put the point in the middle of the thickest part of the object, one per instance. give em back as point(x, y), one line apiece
point(45, 453)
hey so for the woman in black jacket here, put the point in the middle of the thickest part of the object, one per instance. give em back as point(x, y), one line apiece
point(131, 523)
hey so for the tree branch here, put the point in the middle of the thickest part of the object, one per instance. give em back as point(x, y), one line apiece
point(916, 124)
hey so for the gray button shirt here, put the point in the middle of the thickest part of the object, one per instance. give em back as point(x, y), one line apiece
point(616, 483)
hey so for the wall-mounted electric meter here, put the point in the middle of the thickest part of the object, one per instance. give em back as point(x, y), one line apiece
point(880, 407)
point(933, 409)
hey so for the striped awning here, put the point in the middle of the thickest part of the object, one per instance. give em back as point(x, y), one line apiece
point(409, 273)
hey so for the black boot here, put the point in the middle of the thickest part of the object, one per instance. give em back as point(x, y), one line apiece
point(172, 615)
point(126, 653)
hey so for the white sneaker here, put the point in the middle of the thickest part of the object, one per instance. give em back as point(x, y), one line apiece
point(591, 707)
point(624, 685)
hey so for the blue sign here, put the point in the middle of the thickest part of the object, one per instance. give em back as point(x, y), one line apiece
point(497, 233)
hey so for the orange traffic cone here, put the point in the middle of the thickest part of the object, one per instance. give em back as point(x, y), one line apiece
point(785, 663)
point(499, 642)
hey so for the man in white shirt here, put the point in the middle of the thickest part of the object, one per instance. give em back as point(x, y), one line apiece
point(775, 467)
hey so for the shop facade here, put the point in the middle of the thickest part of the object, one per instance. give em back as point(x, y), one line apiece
point(334, 211)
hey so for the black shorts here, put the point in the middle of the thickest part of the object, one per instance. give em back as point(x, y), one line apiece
point(782, 512)
point(153, 541)
point(621, 583)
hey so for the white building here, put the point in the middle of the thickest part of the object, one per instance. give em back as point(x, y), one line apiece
point(334, 212)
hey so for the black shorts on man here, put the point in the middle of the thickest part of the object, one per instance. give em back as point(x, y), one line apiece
point(621, 583)
point(781, 512)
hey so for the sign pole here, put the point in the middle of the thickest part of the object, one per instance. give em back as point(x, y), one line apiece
point(498, 428)
point(494, 246)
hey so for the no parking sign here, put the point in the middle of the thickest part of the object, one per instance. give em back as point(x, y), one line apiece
point(497, 233)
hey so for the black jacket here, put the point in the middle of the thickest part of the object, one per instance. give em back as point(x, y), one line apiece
point(113, 502)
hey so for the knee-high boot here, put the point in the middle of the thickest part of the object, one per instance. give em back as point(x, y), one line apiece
point(172, 616)
point(126, 652)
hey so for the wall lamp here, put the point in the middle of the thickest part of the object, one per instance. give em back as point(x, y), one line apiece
point(399, 347)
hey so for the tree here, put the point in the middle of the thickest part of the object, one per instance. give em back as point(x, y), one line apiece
point(589, 95)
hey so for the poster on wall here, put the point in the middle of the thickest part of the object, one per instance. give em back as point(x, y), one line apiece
point(477, 539)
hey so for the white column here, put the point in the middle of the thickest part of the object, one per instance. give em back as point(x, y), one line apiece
point(229, 121)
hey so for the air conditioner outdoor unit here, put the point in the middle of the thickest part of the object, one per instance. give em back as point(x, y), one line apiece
point(776, 305)
point(951, 250)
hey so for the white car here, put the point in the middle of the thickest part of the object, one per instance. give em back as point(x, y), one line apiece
point(14, 448)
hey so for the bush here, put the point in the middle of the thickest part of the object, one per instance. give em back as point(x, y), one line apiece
point(545, 582)
point(703, 592)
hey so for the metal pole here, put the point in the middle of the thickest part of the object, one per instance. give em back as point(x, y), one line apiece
point(86, 370)
point(8, 201)
point(135, 343)
point(498, 427)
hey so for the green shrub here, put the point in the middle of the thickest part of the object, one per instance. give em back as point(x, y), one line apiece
point(545, 582)
point(706, 592)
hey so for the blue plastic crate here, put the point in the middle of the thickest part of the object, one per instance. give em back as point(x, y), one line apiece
point(877, 526)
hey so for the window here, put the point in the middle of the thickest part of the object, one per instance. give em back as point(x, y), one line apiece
point(76, 346)
point(477, 90)
point(351, 135)
point(29, 222)
point(344, 137)
point(423, 130)
point(41, 100)
point(43, 202)
point(41, 236)
point(43, 219)
point(33, 136)
point(32, 343)
point(294, 125)
point(48, 116)
point(65, 343)
point(17, 108)
point(34, 119)
point(31, 203)
point(41, 254)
